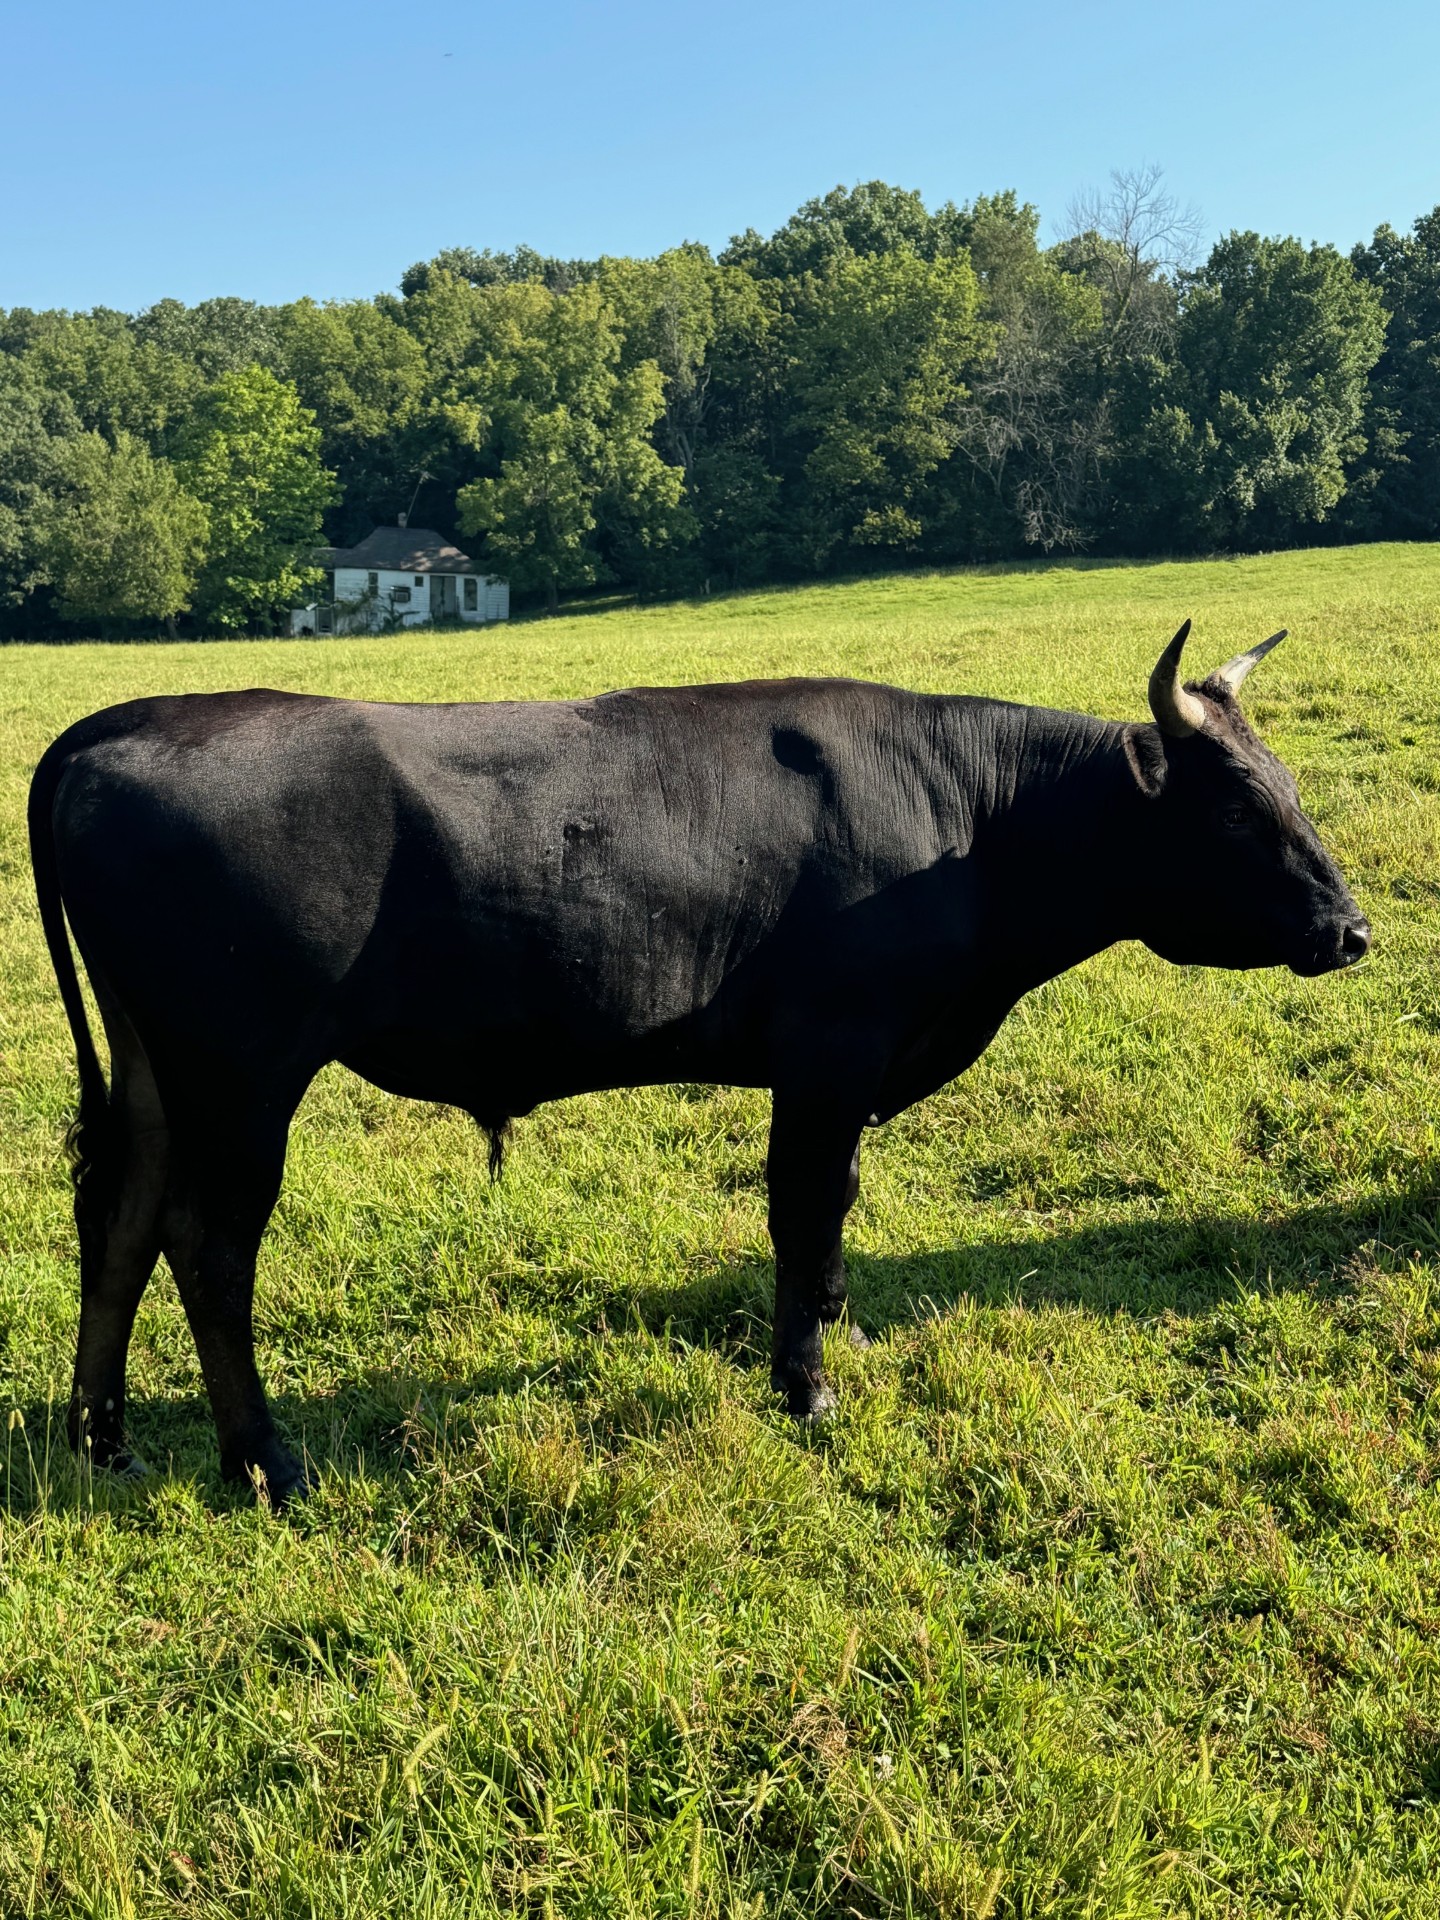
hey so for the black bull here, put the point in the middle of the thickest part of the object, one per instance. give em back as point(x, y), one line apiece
point(834, 890)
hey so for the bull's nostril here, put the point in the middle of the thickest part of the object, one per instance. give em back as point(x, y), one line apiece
point(1355, 941)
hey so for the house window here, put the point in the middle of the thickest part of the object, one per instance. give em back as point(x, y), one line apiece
point(372, 582)
point(472, 593)
point(419, 579)
point(401, 596)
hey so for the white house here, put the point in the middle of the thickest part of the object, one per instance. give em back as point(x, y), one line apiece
point(399, 576)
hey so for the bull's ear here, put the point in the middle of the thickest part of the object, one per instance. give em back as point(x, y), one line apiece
point(1145, 750)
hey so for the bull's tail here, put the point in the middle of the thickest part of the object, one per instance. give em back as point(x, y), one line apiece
point(90, 1142)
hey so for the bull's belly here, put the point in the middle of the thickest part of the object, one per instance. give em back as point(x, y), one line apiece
point(500, 1072)
point(500, 1014)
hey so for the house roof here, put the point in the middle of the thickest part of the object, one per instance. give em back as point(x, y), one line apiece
point(399, 550)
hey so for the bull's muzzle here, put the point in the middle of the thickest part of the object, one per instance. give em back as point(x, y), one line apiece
point(1337, 944)
point(1354, 942)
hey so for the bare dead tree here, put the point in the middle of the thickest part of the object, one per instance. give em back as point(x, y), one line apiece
point(1141, 217)
point(687, 383)
point(1129, 241)
point(1030, 427)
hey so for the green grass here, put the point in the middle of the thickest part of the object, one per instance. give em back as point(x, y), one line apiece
point(1113, 1589)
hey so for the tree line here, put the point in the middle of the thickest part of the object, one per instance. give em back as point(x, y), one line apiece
point(873, 384)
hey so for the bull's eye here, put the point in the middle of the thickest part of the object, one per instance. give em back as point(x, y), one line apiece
point(1234, 818)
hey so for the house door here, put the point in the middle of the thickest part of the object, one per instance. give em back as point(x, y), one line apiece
point(442, 595)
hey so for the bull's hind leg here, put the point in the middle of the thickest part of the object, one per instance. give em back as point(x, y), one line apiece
point(122, 1157)
point(220, 1199)
point(813, 1170)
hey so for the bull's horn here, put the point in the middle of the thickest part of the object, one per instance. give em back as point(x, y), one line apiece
point(1176, 712)
point(1234, 671)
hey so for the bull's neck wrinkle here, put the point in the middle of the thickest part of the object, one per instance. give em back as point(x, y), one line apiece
point(1009, 757)
point(1053, 818)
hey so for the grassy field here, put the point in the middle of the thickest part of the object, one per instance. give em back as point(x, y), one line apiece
point(1113, 1588)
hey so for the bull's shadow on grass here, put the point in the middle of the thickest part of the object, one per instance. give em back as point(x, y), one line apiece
point(1164, 1265)
point(1186, 1267)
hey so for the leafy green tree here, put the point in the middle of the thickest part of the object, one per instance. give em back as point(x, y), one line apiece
point(1396, 492)
point(567, 434)
point(865, 220)
point(705, 327)
point(251, 455)
point(357, 371)
point(738, 509)
point(116, 381)
point(878, 350)
point(125, 541)
point(487, 269)
point(876, 377)
point(700, 323)
point(36, 424)
point(1243, 436)
point(216, 336)
point(468, 337)
point(1033, 427)
point(539, 514)
point(363, 375)
point(645, 521)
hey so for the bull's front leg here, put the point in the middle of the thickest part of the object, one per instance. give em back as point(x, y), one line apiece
point(813, 1170)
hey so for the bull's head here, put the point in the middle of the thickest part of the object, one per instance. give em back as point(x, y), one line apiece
point(1239, 876)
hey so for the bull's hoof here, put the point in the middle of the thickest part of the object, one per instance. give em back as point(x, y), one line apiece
point(127, 1466)
point(282, 1486)
point(823, 1403)
point(808, 1401)
point(102, 1452)
point(858, 1338)
point(276, 1478)
point(97, 1439)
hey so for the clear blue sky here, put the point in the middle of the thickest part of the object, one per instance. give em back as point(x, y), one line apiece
point(270, 150)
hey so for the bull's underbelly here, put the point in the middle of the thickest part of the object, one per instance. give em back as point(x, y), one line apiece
point(502, 1075)
point(529, 1011)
